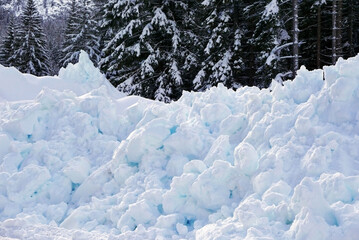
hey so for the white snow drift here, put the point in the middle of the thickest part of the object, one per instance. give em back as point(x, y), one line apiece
point(80, 161)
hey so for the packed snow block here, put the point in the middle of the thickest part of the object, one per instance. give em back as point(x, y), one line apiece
point(338, 188)
point(122, 173)
point(222, 213)
point(309, 195)
point(27, 123)
point(4, 176)
point(24, 186)
point(307, 225)
point(146, 139)
point(250, 213)
point(52, 98)
point(233, 124)
point(343, 95)
point(77, 169)
point(169, 221)
point(214, 113)
point(77, 218)
point(309, 82)
point(246, 158)
point(347, 216)
point(83, 126)
point(279, 192)
point(58, 189)
point(253, 102)
point(221, 149)
point(11, 162)
point(348, 68)
point(344, 89)
point(181, 229)
point(141, 212)
point(4, 146)
point(263, 180)
point(304, 127)
point(119, 156)
point(56, 212)
point(178, 198)
point(194, 141)
point(175, 165)
point(194, 166)
point(93, 185)
point(331, 74)
point(216, 186)
point(82, 72)
point(317, 160)
point(135, 112)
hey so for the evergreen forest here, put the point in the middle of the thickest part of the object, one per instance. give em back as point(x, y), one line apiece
point(159, 48)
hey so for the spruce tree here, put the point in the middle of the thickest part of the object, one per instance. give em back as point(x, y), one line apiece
point(152, 46)
point(9, 45)
point(80, 34)
point(222, 59)
point(270, 41)
point(54, 29)
point(31, 54)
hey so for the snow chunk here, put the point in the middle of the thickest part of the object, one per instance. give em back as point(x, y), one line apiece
point(77, 169)
point(27, 184)
point(246, 157)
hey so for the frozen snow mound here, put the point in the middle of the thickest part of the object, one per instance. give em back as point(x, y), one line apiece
point(278, 163)
point(79, 78)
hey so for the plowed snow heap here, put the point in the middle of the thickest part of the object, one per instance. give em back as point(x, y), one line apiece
point(78, 160)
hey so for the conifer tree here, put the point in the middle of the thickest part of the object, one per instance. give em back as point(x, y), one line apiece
point(151, 47)
point(270, 39)
point(109, 24)
point(31, 54)
point(9, 45)
point(80, 34)
point(222, 61)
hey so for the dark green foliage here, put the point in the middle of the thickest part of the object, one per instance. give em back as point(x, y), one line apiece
point(270, 41)
point(9, 45)
point(221, 57)
point(54, 31)
point(80, 34)
point(31, 55)
point(150, 48)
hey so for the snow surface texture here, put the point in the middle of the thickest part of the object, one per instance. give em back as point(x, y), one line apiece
point(86, 163)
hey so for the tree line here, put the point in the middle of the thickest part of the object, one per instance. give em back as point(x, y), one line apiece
point(159, 48)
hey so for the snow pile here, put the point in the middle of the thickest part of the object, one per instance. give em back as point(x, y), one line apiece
point(251, 164)
point(78, 78)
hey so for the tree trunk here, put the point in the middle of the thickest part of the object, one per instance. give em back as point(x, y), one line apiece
point(319, 34)
point(334, 32)
point(295, 37)
point(351, 29)
point(339, 28)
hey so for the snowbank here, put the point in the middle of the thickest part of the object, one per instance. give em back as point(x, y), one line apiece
point(78, 78)
point(280, 163)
